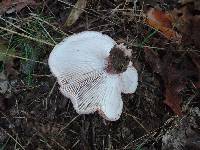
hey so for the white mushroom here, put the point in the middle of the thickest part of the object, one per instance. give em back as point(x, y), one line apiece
point(83, 65)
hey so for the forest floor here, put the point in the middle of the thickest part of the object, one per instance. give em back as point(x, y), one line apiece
point(163, 113)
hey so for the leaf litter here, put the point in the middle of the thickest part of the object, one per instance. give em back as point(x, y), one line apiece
point(7, 73)
point(171, 64)
point(161, 21)
point(75, 13)
point(180, 24)
point(10, 6)
point(176, 76)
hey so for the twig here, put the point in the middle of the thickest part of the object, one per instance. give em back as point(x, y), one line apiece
point(49, 95)
point(23, 58)
point(14, 139)
point(68, 124)
point(59, 144)
point(26, 36)
point(137, 121)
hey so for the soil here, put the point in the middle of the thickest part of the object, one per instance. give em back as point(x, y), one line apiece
point(35, 115)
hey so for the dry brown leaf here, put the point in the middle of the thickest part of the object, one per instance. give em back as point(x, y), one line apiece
point(75, 12)
point(186, 20)
point(153, 60)
point(162, 21)
point(174, 78)
point(195, 2)
point(175, 75)
point(173, 100)
point(10, 6)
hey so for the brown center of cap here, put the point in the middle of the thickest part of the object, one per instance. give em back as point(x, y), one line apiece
point(117, 61)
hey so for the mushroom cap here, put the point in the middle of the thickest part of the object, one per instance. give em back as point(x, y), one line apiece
point(80, 53)
point(129, 79)
point(79, 64)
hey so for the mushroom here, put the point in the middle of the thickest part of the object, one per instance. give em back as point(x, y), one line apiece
point(92, 70)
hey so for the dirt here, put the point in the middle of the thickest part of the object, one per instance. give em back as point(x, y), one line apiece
point(35, 115)
point(185, 135)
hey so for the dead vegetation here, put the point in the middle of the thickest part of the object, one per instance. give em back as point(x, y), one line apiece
point(34, 114)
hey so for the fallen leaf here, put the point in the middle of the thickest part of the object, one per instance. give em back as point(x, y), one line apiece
point(173, 100)
point(187, 23)
point(175, 75)
point(75, 12)
point(162, 21)
point(161, 67)
point(10, 6)
point(196, 3)
point(153, 60)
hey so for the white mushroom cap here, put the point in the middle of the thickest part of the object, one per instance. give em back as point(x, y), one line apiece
point(79, 64)
point(129, 79)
